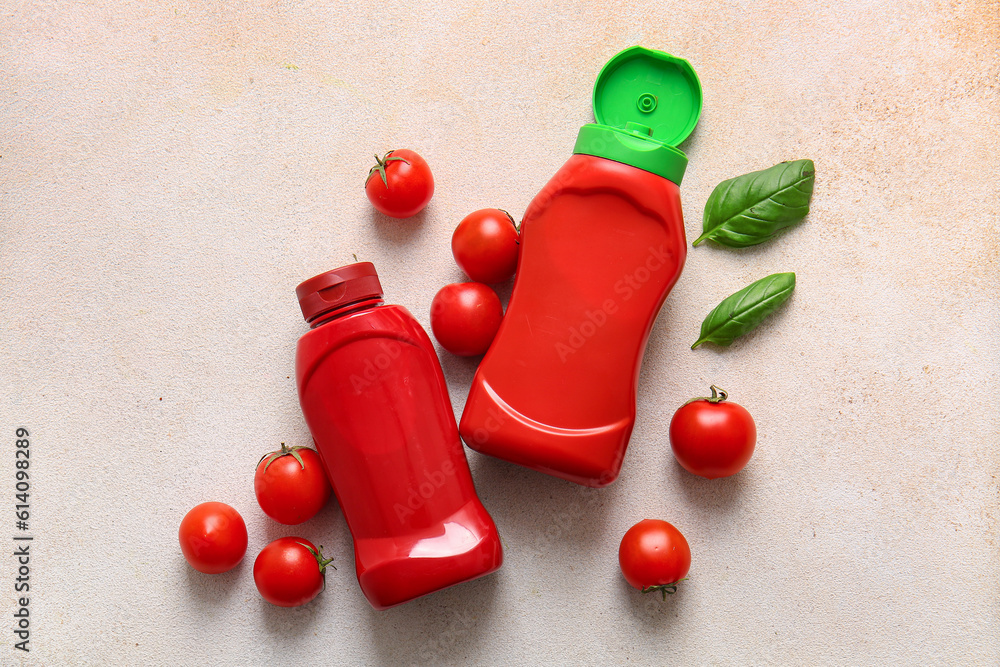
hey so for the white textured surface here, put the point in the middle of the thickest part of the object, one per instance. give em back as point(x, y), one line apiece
point(170, 173)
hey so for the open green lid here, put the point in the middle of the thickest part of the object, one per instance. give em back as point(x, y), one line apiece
point(646, 102)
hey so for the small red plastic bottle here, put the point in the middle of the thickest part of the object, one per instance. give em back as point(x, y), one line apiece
point(375, 400)
point(601, 246)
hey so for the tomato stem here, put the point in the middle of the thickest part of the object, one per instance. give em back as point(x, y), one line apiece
point(718, 396)
point(380, 167)
point(317, 553)
point(285, 451)
point(664, 589)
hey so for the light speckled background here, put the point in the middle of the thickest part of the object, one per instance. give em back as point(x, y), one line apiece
point(170, 173)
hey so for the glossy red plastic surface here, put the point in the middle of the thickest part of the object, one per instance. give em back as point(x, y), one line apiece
point(601, 246)
point(375, 400)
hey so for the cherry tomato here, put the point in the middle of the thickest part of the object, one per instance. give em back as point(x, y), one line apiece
point(290, 571)
point(713, 437)
point(213, 537)
point(400, 184)
point(465, 318)
point(485, 245)
point(290, 484)
point(654, 556)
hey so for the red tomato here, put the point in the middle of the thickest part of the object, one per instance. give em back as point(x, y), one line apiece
point(290, 484)
point(213, 538)
point(465, 318)
point(400, 184)
point(290, 571)
point(485, 245)
point(713, 437)
point(654, 556)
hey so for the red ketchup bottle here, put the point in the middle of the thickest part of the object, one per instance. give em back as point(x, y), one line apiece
point(601, 246)
point(375, 399)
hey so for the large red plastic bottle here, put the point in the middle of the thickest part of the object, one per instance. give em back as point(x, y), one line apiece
point(601, 246)
point(375, 400)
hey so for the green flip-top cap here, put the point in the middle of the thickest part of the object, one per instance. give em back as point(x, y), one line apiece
point(646, 102)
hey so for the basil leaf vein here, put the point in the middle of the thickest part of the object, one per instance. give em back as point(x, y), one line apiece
point(741, 312)
point(754, 207)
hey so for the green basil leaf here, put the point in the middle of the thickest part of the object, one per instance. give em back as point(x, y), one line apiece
point(741, 312)
point(752, 208)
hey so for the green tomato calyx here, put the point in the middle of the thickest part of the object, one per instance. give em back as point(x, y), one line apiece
point(381, 165)
point(284, 451)
point(664, 589)
point(317, 553)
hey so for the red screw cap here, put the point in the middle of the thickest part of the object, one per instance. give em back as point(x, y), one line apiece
point(336, 289)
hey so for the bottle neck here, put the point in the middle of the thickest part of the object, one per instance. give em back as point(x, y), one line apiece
point(346, 309)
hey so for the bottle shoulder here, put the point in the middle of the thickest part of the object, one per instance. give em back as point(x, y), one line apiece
point(586, 175)
point(391, 330)
point(390, 319)
point(594, 171)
